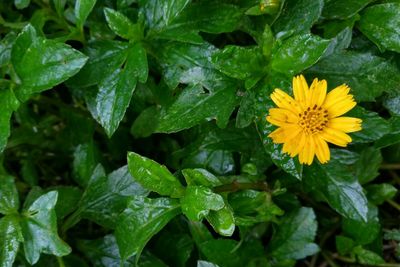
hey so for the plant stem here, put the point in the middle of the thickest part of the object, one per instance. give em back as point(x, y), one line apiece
point(393, 204)
point(60, 262)
point(329, 259)
point(394, 166)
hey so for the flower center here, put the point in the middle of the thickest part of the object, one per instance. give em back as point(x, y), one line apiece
point(313, 120)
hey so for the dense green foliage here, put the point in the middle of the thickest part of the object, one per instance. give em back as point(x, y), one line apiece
point(133, 132)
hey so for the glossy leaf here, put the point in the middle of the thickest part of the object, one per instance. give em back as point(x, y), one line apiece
point(175, 253)
point(298, 53)
point(381, 24)
point(198, 201)
point(297, 17)
point(222, 221)
point(294, 237)
point(363, 232)
point(373, 126)
point(338, 187)
point(153, 176)
point(140, 221)
point(9, 240)
point(200, 177)
point(41, 64)
point(39, 229)
point(107, 195)
point(343, 9)
point(115, 93)
point(367, 75)
point(82, 10)
point(368, 257)
point(121, 25)
point(9, 199)
point(21, 4)
point(379, 193)
point(239, 62)
point(104, 56)
point(368, 164)
point(194, 106)
point(8, 104)
point(84, 163)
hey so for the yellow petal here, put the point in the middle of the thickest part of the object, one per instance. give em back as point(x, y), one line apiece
point(283, 115)
point(342, 107)
point(336, 95)
point(300, 87)
point(278, 136)
point(283, 100)
point(297, 144)
point(306, 155)
point(318, 93)
point(345, 124)
point(335, 137)
point(321, 149)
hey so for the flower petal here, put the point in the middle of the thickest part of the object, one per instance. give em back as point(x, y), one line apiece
point(336, 95)
point(318, 92)
point(277, 136)
point(335, 137)
point(341, 107)
point(300, 87)
point(283, 100)
point(345, 124)
point(321, 149)
point(306, 155)
point(283, 115)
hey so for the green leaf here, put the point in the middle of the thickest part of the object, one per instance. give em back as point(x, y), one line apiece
point(175, 253)
point(115, 92)
point(297, 17)
point(206, 264)
point(154, 176)
point(104, 56)
point(146, 123)
point(191, 64)
point(21, 4)
point(390, 138)
point(122, 26)
point(335, 183)
point(6, 44)
point(9, 240)
point(161, 13)
point(140, 65)
point(368, 164)
point(367, 257)
point(103, 252)
point(367, 75)
point(198, 201)
point(381, 24)
point(39, 229)
point(379, 193)
point(8, 104)
point(68, 199)
point(344, 245)
point(222, 221)
point(194, 106)
point(373, 126)
point(84, 163)
point(9, 199)
point(251, 207)
point(82, 10)
point(107, 195)
point(141, 220)
point(363, 232)
point(42, 64)
point(294, 237)
point(343, 9)
point(298, 53)
point(239, 62)
point(200, 177)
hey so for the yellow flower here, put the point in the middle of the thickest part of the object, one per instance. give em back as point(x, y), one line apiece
point(310, 120)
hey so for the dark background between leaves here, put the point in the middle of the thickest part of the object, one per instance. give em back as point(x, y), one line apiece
point(187, 84)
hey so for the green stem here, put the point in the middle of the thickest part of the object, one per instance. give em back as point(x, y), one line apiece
point(393, 204)
point(60, 262)
point(70, 222)
point(236, 186)
point(329, 259)
point(394, 166)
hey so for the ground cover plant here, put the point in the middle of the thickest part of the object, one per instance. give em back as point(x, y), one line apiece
point(199, 133)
